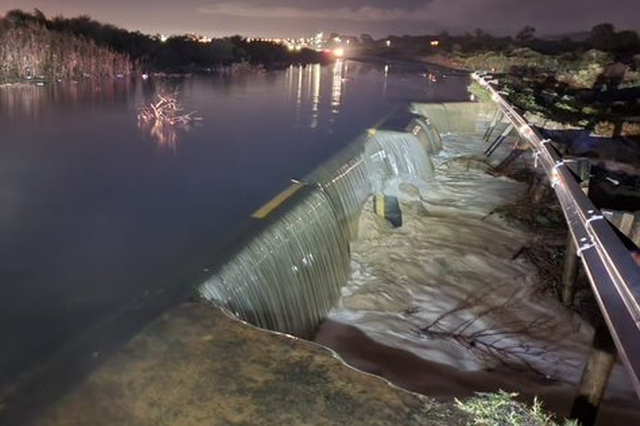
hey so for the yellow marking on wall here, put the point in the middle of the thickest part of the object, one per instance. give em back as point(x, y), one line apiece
point(380, 205)
point(267, 208)
point(372, 131)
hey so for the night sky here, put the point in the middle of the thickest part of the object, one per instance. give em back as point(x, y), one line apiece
point(285, 18)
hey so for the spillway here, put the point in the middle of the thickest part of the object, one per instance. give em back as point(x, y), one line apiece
point(287, 273)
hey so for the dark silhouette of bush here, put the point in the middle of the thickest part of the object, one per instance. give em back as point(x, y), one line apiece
point(145, 52)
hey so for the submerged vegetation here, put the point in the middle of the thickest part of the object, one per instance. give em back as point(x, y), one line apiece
point(34, 46)
point(30, 50)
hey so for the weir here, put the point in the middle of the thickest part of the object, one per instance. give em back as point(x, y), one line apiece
point(287, 273)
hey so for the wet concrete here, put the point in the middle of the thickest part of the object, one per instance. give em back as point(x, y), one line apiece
point(197, 366)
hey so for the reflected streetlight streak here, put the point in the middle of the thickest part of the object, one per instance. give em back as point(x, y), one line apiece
point(299, 96)
point(384, 80)
point(315, 95)
point(336, 87)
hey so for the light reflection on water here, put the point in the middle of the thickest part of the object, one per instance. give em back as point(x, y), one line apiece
point(96, 212)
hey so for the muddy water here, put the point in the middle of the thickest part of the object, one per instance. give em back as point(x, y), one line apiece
point(439, 306)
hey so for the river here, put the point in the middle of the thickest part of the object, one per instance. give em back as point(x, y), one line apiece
point(103, 222)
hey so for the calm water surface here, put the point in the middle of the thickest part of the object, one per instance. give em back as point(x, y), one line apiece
point(96, 213)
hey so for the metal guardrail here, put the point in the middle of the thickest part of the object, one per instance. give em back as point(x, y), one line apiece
point(613, 273)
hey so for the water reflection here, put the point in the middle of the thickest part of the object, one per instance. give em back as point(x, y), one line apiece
point(318, 91)
point(30, 102)
point(337, 86)
point(93, 216)
point(315, 95)
point(163, 118)
point(163, 135)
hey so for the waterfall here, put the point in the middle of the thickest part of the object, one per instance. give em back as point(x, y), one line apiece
point(345, 178)
point(287, 273)
point(427, 133)
point(407, 157)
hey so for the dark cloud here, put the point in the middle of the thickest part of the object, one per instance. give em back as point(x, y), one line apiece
point(336, 4)
point(378, 17)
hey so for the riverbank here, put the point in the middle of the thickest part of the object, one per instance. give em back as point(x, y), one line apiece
point(197, 366)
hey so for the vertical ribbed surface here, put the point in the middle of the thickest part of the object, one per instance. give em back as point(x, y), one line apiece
point(289, 275)
point(427, 134)
point(345, 178)
point(406, 155)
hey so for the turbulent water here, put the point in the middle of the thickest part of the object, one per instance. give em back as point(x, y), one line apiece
point(447, 287)
point(103, 215)
point(289, 274)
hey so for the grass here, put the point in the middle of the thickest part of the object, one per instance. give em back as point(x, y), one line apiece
point(479, 92)
point(500, 409)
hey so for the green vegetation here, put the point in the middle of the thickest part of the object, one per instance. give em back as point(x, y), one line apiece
point(499, 409)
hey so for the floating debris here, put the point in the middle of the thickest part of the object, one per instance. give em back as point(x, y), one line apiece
point(166, 110)
point(163, 118)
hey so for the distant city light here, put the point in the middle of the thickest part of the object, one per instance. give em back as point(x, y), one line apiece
point(388, 43)
point(338, 53)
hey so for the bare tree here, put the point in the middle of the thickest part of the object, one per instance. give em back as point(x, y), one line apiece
point(505, 342)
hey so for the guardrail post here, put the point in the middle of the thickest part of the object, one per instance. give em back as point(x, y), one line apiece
point(539, 188)
point(492, 126)
point(569, 272)
point(496, 143)
point(613, 274)
point(594, 377)
point(571, 263)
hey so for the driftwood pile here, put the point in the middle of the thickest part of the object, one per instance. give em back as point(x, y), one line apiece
point(163, 118)
point(166, 110)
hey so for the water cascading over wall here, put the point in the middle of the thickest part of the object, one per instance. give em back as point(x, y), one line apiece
point(287, 274)
point(346, 180)
point(427, 133)
point(456, 117)
point(405, 154)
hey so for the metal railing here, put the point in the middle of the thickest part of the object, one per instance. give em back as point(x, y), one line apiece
point(612, 271)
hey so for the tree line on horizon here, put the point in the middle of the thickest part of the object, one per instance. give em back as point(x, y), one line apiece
point(71, 47)
point(604, 37)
